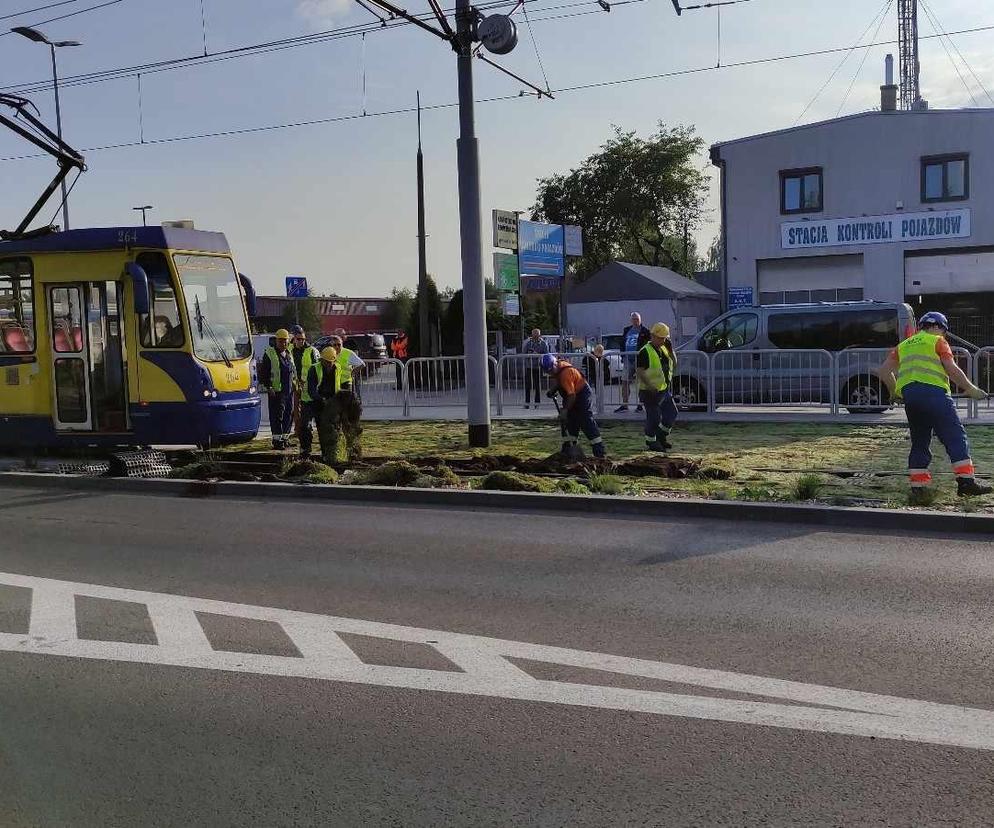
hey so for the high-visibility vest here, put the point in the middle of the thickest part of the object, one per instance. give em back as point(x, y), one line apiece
point(399, 348)
point(918, 362)
point(275, 374)
point(344, 369)
point(307, 359)
point(318, 369)
point(656, 379)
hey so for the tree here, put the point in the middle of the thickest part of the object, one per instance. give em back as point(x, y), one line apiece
point(712, 260)
point(452, 326)
point(401, 307)
point(304, 312)
point(434, 316)
point(636, 199)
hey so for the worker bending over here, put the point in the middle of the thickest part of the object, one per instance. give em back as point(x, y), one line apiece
point(342, 411)
point(654, 366)
point(577, 411)
point(919, 371)
point(278, 376)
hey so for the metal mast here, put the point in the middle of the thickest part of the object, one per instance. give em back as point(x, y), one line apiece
point(907, 35)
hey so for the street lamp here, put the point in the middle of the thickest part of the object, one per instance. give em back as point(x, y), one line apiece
point(38, 37)
point(143, 209)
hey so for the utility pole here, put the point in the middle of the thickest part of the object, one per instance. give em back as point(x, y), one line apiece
point(474, 307)
point(424, 339)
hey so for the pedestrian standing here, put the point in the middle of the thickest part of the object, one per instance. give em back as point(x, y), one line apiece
point(278, 376)
point(304, 357)
point(654, 367)
point(533, 371)
point(398, 349)
point(919, 371)
point(348, 402)
point(595, 367)
point(633, 338)
point(324, 385)
point(577, 410)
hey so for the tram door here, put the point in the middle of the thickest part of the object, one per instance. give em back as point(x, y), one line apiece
point(88, 357)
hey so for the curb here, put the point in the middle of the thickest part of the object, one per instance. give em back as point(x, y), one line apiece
point(682, 508)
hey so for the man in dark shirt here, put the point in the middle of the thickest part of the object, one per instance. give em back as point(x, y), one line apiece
point(633, 339)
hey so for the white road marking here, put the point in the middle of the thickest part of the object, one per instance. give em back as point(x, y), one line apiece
point(486, 670)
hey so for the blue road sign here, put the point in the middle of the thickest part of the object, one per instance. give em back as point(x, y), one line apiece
point(296, 287)
point(739, 297)
point(540, 248)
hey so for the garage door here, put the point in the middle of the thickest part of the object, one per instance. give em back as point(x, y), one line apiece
point(811, 279)
point(952, 273)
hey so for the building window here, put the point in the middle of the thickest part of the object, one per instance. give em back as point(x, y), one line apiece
point(945, 178)
point(801, 191)
point(802, 297)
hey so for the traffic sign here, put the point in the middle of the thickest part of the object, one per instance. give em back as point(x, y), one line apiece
point(511, 304)
point(506, 272)
point(573, 239)
point(296, 287)
point(540, 248)
point(739, 297)
point(505, 229)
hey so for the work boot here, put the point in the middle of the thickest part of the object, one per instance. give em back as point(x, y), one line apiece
point(969, 487)
point(638, 409)
point(654, 445)
point(620, 408)
point(663, 439)
point(599, 451)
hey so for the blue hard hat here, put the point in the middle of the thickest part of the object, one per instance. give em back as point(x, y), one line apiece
point(934, 318)
point(296, 330)
point(549, 362)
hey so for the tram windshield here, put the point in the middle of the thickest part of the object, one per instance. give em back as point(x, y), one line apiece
point(214, 307)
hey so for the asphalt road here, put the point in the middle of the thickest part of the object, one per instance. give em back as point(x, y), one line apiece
point(141, 738)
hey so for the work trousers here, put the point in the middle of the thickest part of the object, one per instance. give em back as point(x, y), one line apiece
point(305, 427)
point(931, 410)
point(340, 416)
point(660, 413)
point(281, 416)
point(533, 379)
point(581, 418)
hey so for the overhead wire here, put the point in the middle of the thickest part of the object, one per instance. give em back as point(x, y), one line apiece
point(531, 34)
point(937, 25)
point(862, 63)
point(70, 14)
point(842, 62)
point(37, 9)
point(675, 73)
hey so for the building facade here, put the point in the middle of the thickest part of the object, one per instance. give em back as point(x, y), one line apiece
point(888, 205)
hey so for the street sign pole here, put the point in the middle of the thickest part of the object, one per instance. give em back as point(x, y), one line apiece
point(474, 301)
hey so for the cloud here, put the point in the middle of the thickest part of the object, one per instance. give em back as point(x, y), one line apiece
point(323, 11)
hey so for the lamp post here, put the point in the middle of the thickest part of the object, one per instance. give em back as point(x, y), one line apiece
point(38, 37)
point(143, 209)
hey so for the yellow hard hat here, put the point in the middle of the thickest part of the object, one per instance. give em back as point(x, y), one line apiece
point(282, 333)
point(329, 354)
point(660, 329)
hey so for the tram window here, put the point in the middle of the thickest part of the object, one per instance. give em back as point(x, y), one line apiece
point(17, 318)
point(67, 321)
point(162, 328)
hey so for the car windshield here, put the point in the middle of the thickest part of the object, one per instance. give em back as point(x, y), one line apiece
point(214, 307)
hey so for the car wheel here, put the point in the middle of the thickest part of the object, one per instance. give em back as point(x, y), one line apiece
point(865, 395)
point(688, 394)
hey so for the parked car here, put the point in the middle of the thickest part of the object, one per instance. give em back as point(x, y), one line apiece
point(615, 361)
point(761, 375)
point(367, 345)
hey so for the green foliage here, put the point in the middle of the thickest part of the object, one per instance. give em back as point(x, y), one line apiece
point(635, 198)
point(304, 312)
point(505, 481)
point(926, 497)
point(199, 470)
point(807, 486)
point(308, 471)
point(541, 310)
point(399, 313)
point(569, 485)
point(609, 484)
point(452, 326)
point(394, 473)
point(716, 470)
point(434, 304)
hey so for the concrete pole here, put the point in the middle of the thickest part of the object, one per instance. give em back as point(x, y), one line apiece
point(474, 304)
point(424, 339)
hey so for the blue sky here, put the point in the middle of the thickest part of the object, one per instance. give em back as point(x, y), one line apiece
point(336, 202)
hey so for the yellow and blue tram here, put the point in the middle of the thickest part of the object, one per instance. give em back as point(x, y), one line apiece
point(125, 336)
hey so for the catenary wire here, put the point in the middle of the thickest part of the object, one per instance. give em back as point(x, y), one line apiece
point(936, 23)
point(70, 14)
point(862, 63)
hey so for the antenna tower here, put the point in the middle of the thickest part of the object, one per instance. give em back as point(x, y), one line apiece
point(907, 35)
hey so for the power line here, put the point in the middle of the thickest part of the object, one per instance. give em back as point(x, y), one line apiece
point(38, 9)
point(935, 27)
point(531, 34)
point(71, 14)
point(937, 23)
point(862, 63)
point(845, 59)
point(497, 98)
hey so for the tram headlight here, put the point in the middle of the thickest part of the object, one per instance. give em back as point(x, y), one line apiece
point(207, 392)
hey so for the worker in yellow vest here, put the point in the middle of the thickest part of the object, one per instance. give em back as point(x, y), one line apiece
point(323, 386)
point(654, 367)
point(919, 371)
point(304, 357)
point(278, 377)
point(342, 416)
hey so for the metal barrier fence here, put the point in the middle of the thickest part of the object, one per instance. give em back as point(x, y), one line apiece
point(824, 382)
